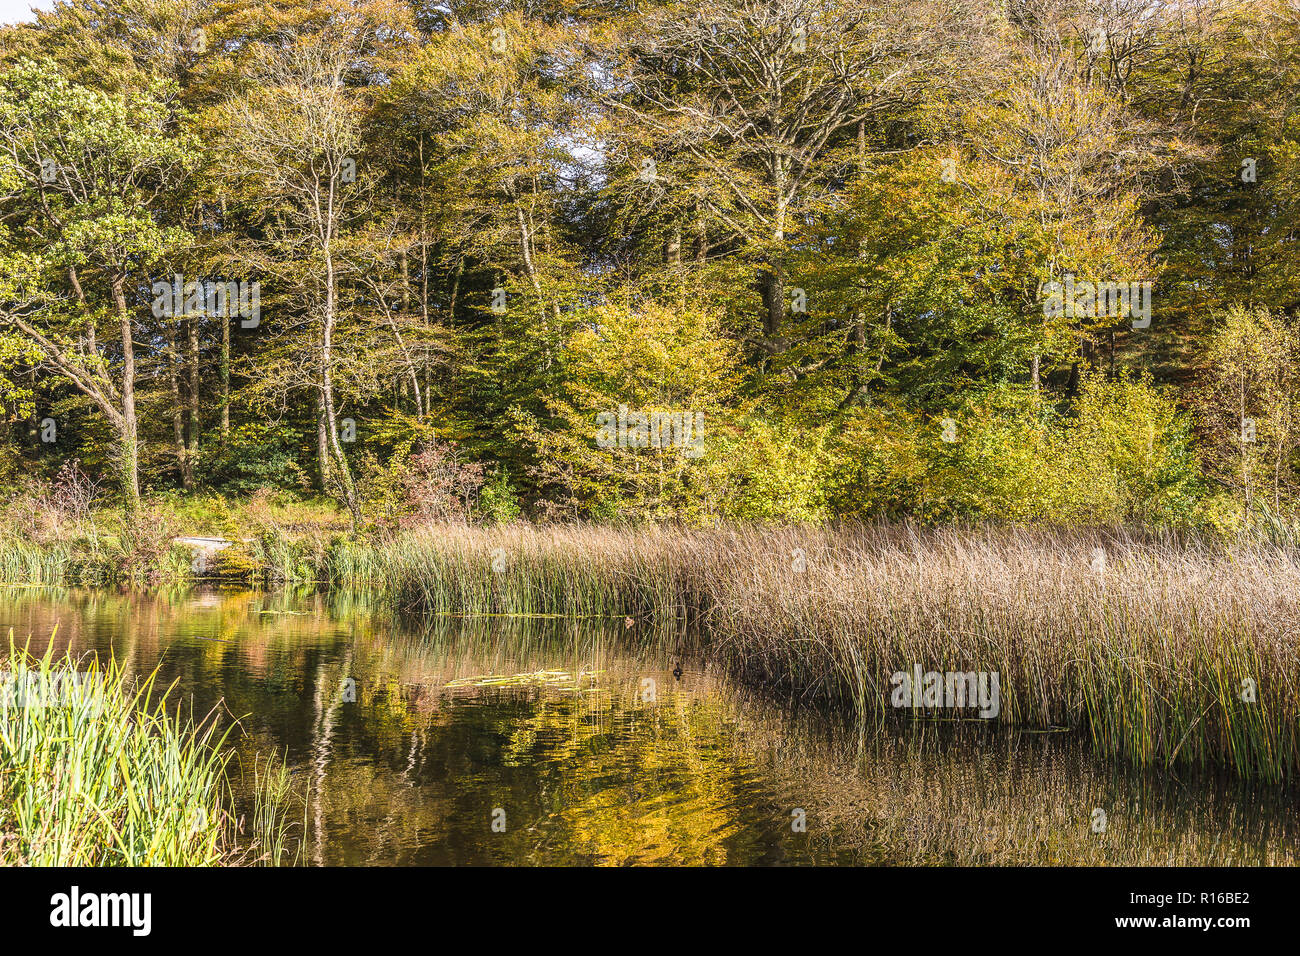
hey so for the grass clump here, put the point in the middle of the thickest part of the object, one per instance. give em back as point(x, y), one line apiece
point(99, 773)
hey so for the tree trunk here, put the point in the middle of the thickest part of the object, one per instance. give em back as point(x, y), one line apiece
point(424, 251)
point(225, 379)
point(773, 282)
point(412, 371)
point(322, 445)
point(530, 266)
point(774, 277)
point(178, 410)
point(455, 292)
point(129, 452)
point(406, 283)
point(701, 236)
point(192, 451)
point(344, 473)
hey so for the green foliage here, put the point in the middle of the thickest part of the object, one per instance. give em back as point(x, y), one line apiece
point(495, 230)
point(1249, 405)
point(1122, 453)
point(778, 471)
point(622, 361)
point(499, 499)
point(256, 455)
point(1126, 455)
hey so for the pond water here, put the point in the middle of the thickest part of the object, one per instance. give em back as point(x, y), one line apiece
point(508, 741)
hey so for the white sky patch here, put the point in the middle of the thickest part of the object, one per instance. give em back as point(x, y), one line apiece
point(21, 11)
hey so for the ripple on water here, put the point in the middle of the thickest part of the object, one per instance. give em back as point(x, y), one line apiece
point(585, 769)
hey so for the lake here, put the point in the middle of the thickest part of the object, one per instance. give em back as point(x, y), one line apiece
point(499, 741)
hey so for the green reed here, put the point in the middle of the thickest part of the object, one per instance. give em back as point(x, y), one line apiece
point(270, 826)
point(101, 774)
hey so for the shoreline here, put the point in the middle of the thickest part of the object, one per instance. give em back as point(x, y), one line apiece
point(1164, 649)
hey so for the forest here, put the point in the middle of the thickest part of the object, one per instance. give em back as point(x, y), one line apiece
point(781, 261)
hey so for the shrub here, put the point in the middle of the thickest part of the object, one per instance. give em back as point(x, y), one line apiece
point(1123, 453)
point(499, 500)
point(778, 472)
point(1125, 456)
point(645, 358)
point(257, 454)
point(430, 481)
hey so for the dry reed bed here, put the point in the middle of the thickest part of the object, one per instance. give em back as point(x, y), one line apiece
point(1148, 654)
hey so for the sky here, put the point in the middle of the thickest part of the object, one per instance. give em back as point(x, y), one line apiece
point(16, 11)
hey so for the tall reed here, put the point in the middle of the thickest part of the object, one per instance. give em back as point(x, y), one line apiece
point(1166, 649)
point(99, 773)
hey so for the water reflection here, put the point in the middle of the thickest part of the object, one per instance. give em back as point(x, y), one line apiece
point(581, 740)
